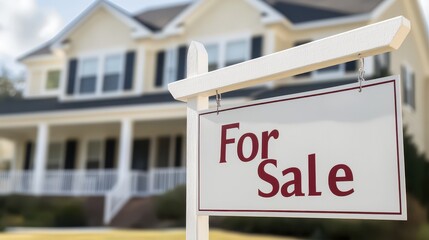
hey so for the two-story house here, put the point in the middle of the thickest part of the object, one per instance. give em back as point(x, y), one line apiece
point(96, 118)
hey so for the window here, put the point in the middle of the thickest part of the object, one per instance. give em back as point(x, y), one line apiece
point(53, 80)
point(163, 151)
point(93, 155)
point(88, 75)
point(408, 86)
point(382, 64)
point(170, 66)
point(55, 156)
point(213, 56)
point(113, 69)
point(236, 52)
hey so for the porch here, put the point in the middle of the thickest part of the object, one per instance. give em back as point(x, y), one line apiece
point(91, 182)
point(116, 159)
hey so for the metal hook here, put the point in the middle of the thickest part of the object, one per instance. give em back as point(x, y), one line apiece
point(218, 99)
point(361, 72)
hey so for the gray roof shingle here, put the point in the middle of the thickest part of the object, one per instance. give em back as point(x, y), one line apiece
point(297, 11)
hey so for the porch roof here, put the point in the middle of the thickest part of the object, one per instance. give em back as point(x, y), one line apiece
point(9, 106)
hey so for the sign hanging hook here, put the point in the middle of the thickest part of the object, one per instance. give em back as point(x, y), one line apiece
point(218, 99)
point(361, 72)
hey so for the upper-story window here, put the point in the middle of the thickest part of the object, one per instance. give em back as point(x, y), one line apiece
point(100, 75)
point(213, 56)
point(228, 53)
point(328, 72)
point(171, 62)
point(236, 52)
point(113, 71)
point(88, 75)
point(53, 80)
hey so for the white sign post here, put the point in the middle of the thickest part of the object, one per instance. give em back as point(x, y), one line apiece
point(331, 174)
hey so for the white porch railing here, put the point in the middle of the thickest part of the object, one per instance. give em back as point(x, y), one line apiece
point(79, 182)
point(16, 182)
point(153, 182)
point(117, 198)
point(96, 183)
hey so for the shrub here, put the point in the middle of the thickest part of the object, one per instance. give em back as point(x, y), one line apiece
point(70, 215)
point(172, 205)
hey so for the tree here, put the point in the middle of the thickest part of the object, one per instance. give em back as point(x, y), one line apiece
point(7, 84)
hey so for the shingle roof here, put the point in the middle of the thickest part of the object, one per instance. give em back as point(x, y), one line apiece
point(156, 19)
point(29, 106)
point(297, 11)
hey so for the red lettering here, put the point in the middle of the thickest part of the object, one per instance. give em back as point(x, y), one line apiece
point(265, 138)
point(296, 183)
point(334, 178)
point(224, 140)
point(312, 176)
point(254, 149)
point(268, 178)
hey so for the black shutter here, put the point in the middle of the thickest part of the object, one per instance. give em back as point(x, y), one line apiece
point(160, 59)
point(71, 76)
point(351, 66)
point(256, 46)
point(181, 62)
point(70, 158)
point(140, 154)
point(28, 155)
point(129, 70)
point(403, 84)
point(110, 152)
point(178, 152)
point(412, 94)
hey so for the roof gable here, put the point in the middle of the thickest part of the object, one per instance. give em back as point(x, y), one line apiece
point(139, 29)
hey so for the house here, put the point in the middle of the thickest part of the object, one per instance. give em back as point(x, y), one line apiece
point(96, 118)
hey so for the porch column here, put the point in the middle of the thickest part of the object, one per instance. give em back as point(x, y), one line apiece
point(125, 142)
point(40, 157)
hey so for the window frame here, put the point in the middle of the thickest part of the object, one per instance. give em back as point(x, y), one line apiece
point(100, 154)
point(61, 156)
point(78, 79)
point(121, 72)
point(222, 43)
point(44, 74)
point(100, 71)
point(45, 84)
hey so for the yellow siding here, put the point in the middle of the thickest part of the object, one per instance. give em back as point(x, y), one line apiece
point(100, 32)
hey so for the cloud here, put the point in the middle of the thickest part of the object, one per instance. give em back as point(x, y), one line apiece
point(23, 26)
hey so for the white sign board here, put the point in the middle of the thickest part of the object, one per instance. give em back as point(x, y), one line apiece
point(331, 153)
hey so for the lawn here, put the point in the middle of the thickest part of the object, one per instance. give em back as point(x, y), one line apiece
point(130, 235)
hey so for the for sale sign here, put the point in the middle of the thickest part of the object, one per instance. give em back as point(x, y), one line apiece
point(331, 153)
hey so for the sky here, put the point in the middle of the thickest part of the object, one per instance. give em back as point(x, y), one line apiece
point(26, 24)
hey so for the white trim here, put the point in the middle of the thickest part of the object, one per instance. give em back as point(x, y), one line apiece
point(140, 66)
point(141, 30)
point(272, 16)
point(171, 28)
